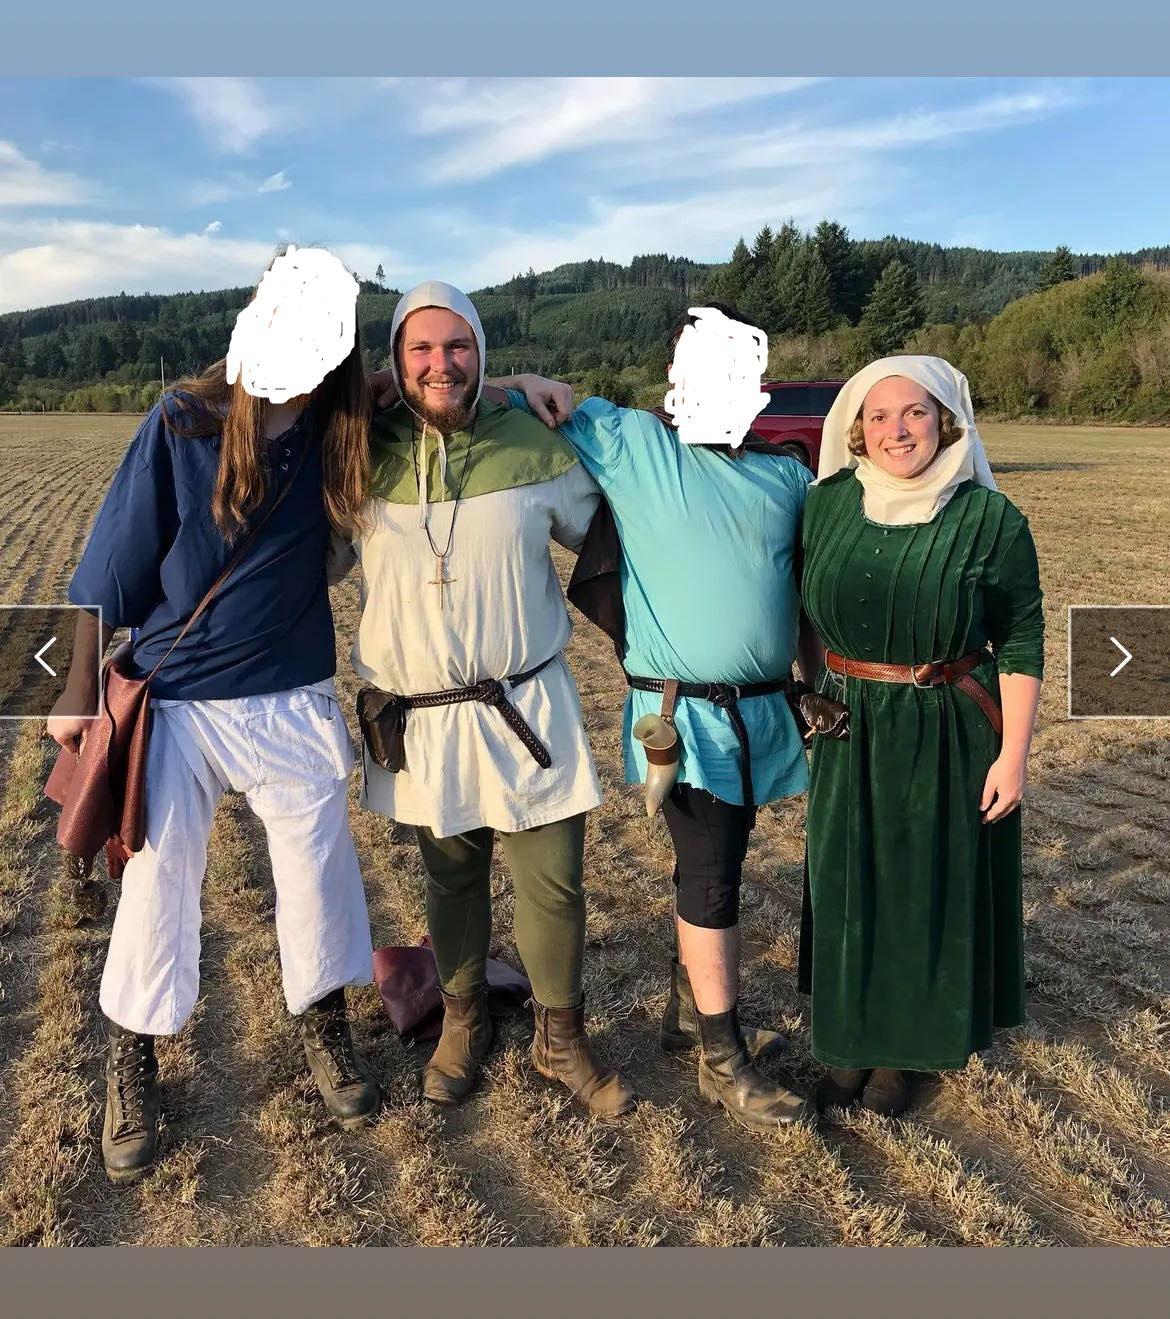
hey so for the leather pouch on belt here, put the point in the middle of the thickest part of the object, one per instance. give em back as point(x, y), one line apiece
point(824, 715)
point(382, 719)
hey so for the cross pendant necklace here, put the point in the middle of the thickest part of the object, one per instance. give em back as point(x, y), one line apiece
point(441, 579)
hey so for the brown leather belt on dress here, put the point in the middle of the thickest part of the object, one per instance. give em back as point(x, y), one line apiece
point(382, 716)
point(937, 673)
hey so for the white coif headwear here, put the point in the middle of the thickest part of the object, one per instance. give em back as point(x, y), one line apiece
point(895, 500)
point(434, 293)
point(300, 326)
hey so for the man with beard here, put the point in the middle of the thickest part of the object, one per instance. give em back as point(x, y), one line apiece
point(471, 721)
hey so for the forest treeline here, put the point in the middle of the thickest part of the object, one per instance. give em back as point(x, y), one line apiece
point(1047, 334)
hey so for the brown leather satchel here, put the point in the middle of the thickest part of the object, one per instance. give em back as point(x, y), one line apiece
point(102, 789)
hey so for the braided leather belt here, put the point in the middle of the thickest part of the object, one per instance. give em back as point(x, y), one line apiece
point(382, 716)
point(936, 673)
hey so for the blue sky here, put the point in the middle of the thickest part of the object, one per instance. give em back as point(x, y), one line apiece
point(170, 184)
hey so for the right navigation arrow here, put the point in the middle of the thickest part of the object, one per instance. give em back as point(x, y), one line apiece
point(1125, 661)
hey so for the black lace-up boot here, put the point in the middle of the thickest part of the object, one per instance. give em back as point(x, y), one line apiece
point(130, 1129)
point(350, 1096)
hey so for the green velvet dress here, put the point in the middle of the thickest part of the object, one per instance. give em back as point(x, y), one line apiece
point(912, 931)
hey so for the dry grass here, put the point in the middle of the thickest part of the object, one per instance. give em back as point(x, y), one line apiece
point(1061, 1135)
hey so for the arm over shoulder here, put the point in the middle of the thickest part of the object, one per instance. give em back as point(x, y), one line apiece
point(595, 430)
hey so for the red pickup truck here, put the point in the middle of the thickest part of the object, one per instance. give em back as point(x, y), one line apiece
point(792, 419)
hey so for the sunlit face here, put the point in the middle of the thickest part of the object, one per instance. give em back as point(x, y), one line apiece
point(900, 422)
point(439, 365)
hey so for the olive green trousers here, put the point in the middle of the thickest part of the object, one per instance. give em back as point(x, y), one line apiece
point(546, 864)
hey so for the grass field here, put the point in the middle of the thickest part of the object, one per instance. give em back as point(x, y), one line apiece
point(1061, 1135)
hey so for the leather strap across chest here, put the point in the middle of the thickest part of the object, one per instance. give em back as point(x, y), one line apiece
point(935, 673)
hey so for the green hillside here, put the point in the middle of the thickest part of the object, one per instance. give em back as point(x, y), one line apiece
point(828, 303)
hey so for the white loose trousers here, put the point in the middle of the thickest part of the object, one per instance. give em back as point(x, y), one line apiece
point(290, 754)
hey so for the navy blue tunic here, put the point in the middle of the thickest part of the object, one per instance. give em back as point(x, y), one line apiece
point(154, 550)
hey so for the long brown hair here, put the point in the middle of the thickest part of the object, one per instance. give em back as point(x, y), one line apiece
point(208, 405)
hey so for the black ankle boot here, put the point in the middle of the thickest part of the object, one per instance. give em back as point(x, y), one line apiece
point(841, 1086)
point(886, 1092)
point(680, 1022)
point(351, 1098)
point(130, 1128)
point(727, 1078)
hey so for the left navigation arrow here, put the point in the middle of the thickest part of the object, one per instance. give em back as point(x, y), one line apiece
point(39, 657)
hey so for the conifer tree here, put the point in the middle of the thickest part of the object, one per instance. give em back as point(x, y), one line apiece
point(846, 276)
point(1059, 269)
point(789, 278)
point(730, 284)
point(762, 249)
point(816, 307)
point(894, 310)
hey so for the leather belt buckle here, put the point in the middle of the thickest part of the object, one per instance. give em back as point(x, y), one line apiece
point(937, 676)
point(726, 697)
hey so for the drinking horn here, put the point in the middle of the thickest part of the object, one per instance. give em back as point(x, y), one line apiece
point(659, 740)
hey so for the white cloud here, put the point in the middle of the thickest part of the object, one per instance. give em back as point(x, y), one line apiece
point(498, 123)
point(797, 142)
point(24, 182)
point(918, 128)
point(277, 182)
point(60, 261)
point(214, 227)
point(702, 225)
point(63, 260)
point(234, 113)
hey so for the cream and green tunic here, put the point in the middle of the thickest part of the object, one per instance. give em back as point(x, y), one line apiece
point(502, 613)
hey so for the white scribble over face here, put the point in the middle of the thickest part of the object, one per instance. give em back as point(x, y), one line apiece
point(716, 372)
point(299, 326)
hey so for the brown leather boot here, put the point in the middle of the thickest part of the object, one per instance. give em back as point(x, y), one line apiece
point(453, 1070)
point(130, 1128)
point(886, 1092)
point(561, 1052)
point(680, 1024)
point(727, 1077)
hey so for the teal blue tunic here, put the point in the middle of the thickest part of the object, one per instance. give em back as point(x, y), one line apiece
point(912, 941)
point(708, 585)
